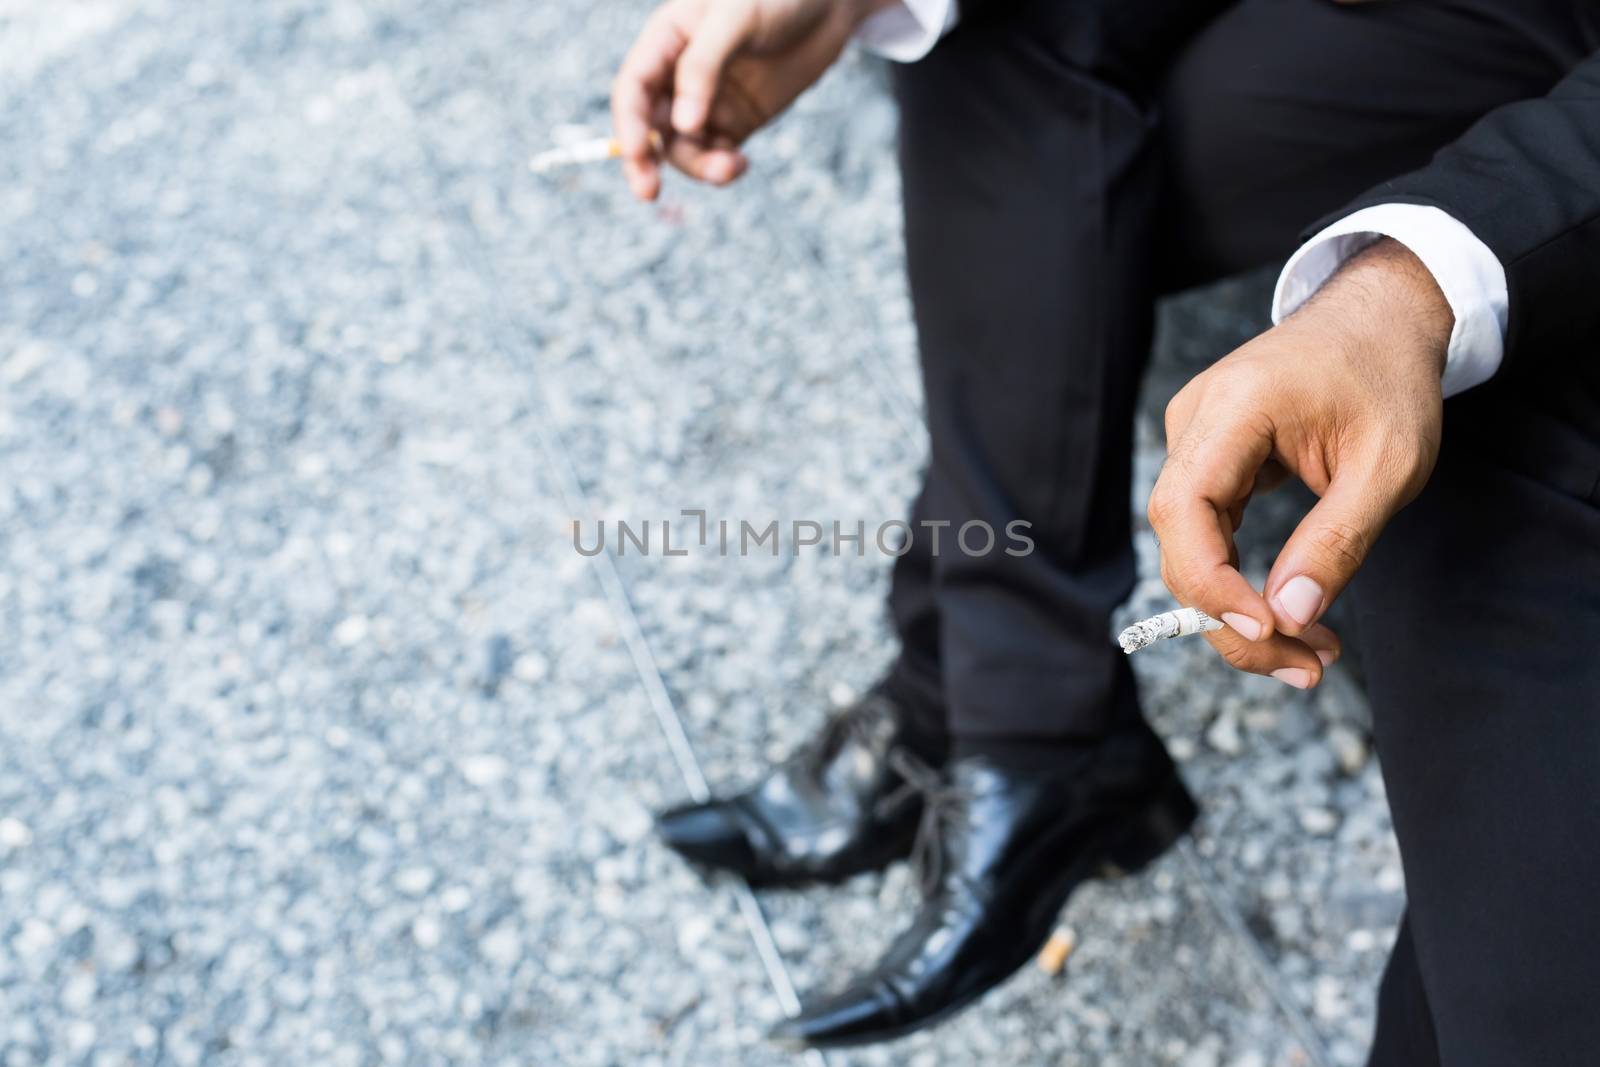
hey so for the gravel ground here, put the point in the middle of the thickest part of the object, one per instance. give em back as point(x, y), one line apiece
point(319, 740)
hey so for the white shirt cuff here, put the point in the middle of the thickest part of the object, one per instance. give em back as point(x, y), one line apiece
point(1467, 272)
point(907, 31)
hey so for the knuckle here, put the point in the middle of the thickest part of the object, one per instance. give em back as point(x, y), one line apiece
point(1239, 658)
point(1189, 584)
point(1412, 465)
point(694, 70)
point(1232, 379)
point(1341, 545)
point(1172, 416)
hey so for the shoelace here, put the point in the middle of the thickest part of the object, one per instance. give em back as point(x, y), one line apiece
point(942, 804)
point(860, 722)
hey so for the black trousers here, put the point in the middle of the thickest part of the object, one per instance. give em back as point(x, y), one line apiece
point(1065, 162)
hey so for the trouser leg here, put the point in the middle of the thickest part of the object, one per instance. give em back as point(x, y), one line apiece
point(1030, 186)
point(1405, 1036)
point(914, 680)
point(1481, 603)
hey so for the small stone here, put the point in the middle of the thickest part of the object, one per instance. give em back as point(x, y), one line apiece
point(414, 881)
point(484, 769)
point(78, 993)
point(629, 823)
point(81, 1036)
point(693, 933)
point(28, 357)
point(292, 941)
point(351, 631)
point(36, 938)
point(115, 950)
point(789, 936)
point(1223, 734)
point(502, 946)
point(426, 932)
point(1327, 999)
point(531, 667)
point(1391, 879)
point(14, 834)
point(1349, 748)
point(1319, 821)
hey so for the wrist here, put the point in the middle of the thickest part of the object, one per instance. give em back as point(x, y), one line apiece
point(1386, 298)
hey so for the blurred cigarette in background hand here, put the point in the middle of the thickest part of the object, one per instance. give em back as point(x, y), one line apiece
point(1180, 623)
point(590, 150)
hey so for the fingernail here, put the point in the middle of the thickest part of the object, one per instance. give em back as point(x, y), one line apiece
point(1326, 656)
point(1300, 599)
point(1298, 677)
point(1243, 625)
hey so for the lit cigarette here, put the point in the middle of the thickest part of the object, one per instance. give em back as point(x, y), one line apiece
point(592, 150)
point(1180, 623)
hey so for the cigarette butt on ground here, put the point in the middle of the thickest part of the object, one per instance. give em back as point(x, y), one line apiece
point(1053, 957)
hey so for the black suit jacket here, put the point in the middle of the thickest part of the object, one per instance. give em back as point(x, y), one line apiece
point(1526, 180)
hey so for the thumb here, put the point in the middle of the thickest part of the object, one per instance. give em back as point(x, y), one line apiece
point(1325, 550)
point(721, 33)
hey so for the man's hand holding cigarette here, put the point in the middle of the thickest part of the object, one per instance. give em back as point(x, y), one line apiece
point(1345, 395)
point(704, 75)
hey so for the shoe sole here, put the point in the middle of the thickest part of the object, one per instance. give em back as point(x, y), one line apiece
point(1128, 848)
point(758, 878)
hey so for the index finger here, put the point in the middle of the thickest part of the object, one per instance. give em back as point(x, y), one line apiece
point(643, 81)
point(1191, 511)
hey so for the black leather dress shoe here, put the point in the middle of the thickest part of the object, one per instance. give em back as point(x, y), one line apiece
point(834, 809)
point(1002, 851)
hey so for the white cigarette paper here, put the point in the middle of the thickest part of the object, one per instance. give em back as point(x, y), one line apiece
point(586, 150)
point(1180, 623)
point(594, 150)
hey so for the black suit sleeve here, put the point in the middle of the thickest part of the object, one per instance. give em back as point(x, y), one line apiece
point(1526, 180)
